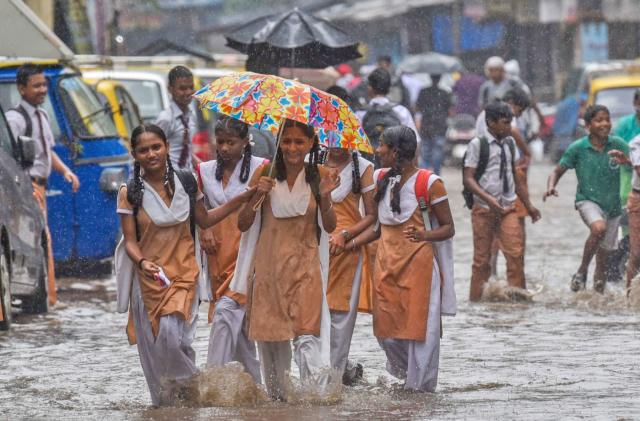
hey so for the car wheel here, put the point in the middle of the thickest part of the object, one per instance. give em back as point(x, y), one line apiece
point(5, 292)
point(39, 302)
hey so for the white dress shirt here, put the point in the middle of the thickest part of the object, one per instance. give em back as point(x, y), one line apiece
point(169, 120)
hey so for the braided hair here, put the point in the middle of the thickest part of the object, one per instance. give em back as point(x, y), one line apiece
point(355, 182)
point(135, 194)
point(135, 188)
point(240, 129)
point(403, 141)
point(312, 175)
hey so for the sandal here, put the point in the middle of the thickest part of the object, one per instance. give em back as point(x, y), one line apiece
point(598, 285)
point(578, 282)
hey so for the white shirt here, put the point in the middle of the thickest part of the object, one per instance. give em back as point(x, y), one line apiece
point(490, 180)
point(169, 120)
point(634, 156)
point(404, 115)
point(42, 163)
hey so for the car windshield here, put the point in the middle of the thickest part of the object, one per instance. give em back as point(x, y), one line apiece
point(619, 101)
point(148, 96)
point(89, 118)
point(10, 97)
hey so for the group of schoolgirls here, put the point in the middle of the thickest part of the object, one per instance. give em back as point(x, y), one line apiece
point(280, 252)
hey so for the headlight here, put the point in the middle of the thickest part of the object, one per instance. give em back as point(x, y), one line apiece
point(111, 179)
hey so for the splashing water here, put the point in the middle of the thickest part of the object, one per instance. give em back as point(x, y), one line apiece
point(322, 388)
point(501, 291)
point(221, 386)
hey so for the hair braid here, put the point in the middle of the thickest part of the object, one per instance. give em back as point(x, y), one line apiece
point(138, 188)
point(169, 182)
point(280, 169)
point(312, 175)
point(395, 193)
point(355, 183)
point(246, 164)
point(219, 168)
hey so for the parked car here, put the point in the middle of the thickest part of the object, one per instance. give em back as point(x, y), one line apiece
point(83, 226)
point(23, 242)
point(121, 105)
point(149, 90)
point(616, 93)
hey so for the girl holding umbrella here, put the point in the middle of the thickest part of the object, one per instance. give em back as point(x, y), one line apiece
point(284, 257)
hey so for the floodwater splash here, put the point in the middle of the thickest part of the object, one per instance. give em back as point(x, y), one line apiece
point(501, 291)
point(231, 386)
point(323, 388)
point(220, 386)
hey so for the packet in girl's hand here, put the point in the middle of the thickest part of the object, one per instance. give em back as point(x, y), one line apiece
point(161, 279)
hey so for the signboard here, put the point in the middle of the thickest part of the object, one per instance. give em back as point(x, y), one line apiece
point(594, 41)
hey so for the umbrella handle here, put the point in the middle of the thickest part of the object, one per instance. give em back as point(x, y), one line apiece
point(270, 175)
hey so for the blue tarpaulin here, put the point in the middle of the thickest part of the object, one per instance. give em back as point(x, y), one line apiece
point(473, 35)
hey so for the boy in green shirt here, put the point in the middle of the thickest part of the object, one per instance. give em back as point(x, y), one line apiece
point(596, 159)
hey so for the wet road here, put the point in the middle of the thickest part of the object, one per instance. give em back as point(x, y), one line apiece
point(563, 356)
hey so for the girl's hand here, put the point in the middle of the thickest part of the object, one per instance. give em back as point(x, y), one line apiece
point(329, 181)
point(265, 185)
point(247, 195)
point(207, 241)
point(336, 244)
point(149, 268)
point(414, 235)
point(618, 157)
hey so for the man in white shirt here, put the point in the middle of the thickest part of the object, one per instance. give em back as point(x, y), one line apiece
point(29, 119)
point(178, 121)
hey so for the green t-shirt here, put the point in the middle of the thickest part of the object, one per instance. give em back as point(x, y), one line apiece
point(598, 180)
point(628, 127)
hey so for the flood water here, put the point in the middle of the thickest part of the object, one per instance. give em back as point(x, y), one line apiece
point(563, 356)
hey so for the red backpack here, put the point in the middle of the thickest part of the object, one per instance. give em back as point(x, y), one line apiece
point(422, 188)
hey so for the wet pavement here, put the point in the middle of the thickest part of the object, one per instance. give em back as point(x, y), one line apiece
point(562, 356)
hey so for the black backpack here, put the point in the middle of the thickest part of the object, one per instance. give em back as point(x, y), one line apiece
point(377, 118)
point(482, 166)
point(190, 186)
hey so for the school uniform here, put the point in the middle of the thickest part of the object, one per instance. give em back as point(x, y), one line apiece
point(162, 320)
point(413, 287)
point(282, 266)
point(228, 340)
point(346, 270)
point(179, 127)
point(40, 171)
point(497, 180)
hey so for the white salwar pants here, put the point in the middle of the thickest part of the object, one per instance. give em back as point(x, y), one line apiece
point(417, 361)
point(169, 356)
point(276, 362)
point(228, 340)
point(342, 324)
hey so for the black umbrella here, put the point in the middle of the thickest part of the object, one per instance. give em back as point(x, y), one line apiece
point(293, 39)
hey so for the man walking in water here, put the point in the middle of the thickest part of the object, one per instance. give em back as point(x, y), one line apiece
point(595, 158)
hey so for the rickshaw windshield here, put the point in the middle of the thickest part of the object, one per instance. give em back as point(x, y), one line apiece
point(88, 117)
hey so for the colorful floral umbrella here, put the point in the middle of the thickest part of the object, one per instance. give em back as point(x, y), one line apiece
point(265, 101)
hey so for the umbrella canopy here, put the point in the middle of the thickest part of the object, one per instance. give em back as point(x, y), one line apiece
point(294, 39)
point(265, 101)
point(432, 63)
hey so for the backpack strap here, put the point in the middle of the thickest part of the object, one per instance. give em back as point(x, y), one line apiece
point(29, 126)
point(483, 160)
point(190, 186)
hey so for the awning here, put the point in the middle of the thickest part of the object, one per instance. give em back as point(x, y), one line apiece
point(369, 10)
point(24, 34)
